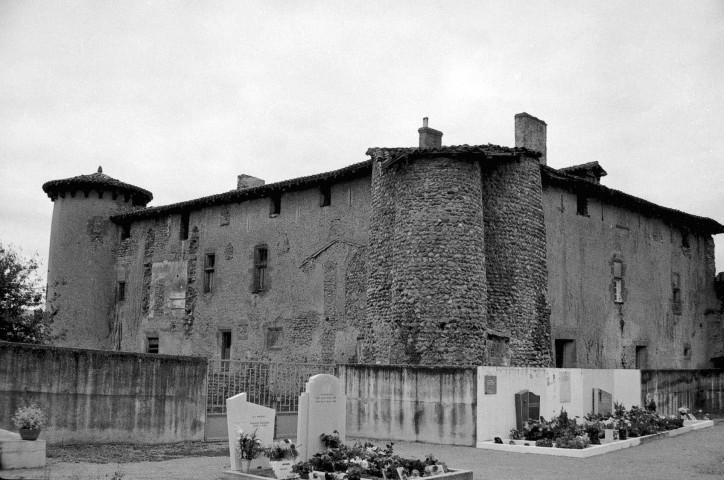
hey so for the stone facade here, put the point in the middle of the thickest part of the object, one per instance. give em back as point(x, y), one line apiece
point(462, 255)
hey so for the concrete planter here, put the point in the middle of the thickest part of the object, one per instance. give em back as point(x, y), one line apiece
point(451, 475)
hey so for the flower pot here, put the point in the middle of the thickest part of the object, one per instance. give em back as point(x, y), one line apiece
point(282, 469)
point(29, 433)
point(608, 436)
point(244, 464)
point(622, 434)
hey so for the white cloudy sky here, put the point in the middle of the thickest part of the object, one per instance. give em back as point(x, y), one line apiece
point(180, 97)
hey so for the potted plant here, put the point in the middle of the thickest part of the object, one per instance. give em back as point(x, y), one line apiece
point(29, 419)
point(248, 448)
point(282, 456)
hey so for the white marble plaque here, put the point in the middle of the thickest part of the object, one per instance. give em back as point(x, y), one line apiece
point(249, 417)
point(322, 409)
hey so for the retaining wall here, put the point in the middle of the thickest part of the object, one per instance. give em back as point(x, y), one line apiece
point(94, 396)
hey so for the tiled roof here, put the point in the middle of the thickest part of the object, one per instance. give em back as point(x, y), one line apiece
point(351, 171)
point(98, 180)
point(586, 167)
point(559, 178)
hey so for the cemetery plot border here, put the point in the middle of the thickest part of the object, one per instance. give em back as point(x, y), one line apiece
point(452, 474)
point(591, 450)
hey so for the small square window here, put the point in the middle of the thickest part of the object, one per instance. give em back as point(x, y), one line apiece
point(121, 291)
point(325, 196)
point(565, 351)
point(152, 345)
point(209, 267)
point(274, 338)
point(642, 358)
point(582, 205)
point(125, 231)
point(275, 208)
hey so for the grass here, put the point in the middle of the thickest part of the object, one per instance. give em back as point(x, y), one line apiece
point(130, 453)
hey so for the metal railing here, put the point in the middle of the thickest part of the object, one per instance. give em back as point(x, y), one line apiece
point(271, 384)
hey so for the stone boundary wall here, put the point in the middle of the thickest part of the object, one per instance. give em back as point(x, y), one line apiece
point(94, 396)
point(411, 403)
point(695, 389)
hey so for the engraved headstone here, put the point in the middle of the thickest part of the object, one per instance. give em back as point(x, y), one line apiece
point(602, 401)
point(527, 407)
point(491, 384)
point(249, 417)
point(322, 409)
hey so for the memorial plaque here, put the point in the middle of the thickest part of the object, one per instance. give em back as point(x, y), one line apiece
point(322, 409)
point(602, 401)
point(491, 384)
point(249, 417)
point(565, 387)
point(527, 407)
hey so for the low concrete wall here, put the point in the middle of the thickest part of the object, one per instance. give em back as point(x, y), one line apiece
point(94, 396)
point(411, 403)
point(559, 388)
point(695, 389)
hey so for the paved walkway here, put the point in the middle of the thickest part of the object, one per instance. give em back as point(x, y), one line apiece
point(695, 455)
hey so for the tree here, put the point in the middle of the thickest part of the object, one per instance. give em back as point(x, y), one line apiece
point(21, 294)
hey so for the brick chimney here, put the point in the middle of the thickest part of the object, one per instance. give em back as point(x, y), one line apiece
point(247, 181)
point(530, 132)
point(429, 137)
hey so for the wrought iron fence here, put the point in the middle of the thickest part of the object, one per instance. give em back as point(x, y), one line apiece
point(274, 385)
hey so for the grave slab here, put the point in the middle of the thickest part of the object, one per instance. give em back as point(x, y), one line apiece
point(322, 409)
point(602, 402)
point(249, 417)
point(527, 407)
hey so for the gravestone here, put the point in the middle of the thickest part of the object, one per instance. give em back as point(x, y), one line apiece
point(322, 409)
point(249, 417)
point(491, 384)
point(527, 407)
point(602, 401)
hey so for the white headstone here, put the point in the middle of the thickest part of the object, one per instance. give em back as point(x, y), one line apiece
point(322, 409)
point(249, 417)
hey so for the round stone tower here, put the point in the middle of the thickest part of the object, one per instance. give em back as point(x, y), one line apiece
point(81, 264)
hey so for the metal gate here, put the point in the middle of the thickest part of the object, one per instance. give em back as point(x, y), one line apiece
point(271, 384)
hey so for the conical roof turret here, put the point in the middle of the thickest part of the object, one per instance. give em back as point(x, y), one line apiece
point(97, 181)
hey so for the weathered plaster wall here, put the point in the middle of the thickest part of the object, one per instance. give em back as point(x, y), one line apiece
point(315, 278)
point(515, 249)
point(93, 396)
point(415, 404)
point(427, 289)
point(581, 250)
point(81, 265)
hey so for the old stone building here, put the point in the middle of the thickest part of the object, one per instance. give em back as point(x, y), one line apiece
point(432, 255)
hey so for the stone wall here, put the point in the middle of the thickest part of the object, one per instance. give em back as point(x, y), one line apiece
point(427, 292)
point(311, 308)
point(93, 396)
point(581, 251)
point(515, 249)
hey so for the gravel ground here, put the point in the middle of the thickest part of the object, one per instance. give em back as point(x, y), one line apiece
point(695, 455)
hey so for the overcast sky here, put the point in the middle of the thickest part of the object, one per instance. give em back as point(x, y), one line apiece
point(180, 97)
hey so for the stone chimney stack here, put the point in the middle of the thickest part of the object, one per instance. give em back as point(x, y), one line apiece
point(429, 137)
point(530, 132)
point(247, 181)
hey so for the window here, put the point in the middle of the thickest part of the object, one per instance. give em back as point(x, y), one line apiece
point(152, 345)
point(642, 357)
point(687, 350)
point(581, 205)
point(565, 353)
point(325, 196)
point(209, 265)
point(184, 230)
point(618, 281)
point(260, 265)
point(121, 291)
point(676, 293)
point(125, 231)
point(225, 345)
point(274, 338)
point(276, 204)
